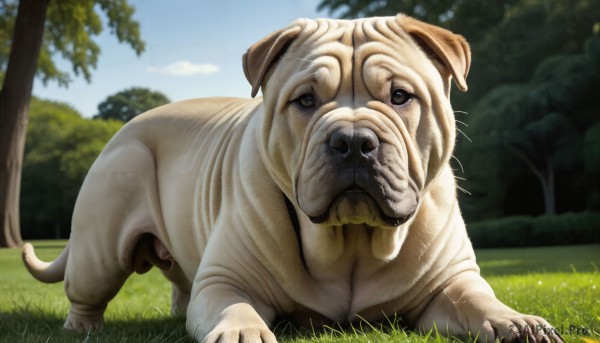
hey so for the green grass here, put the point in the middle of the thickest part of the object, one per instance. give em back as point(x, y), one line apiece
point(561, 284)
point(556, 259)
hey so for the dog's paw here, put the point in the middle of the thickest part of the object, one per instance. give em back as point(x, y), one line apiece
point(235, 335)
point(83, 324)
point(236, 323)
point(518, 327)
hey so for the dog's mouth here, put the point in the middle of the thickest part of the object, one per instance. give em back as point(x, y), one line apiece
point(355, 205)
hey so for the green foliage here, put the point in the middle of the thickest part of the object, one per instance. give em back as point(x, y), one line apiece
point(71, 26)
point(127, 104)
point(522, 231)
point(474, 17)
point(61, 147)
point(534, 280)
point(539, 126)
point(530, 32)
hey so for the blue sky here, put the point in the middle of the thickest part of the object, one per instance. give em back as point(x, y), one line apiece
point(193, 49)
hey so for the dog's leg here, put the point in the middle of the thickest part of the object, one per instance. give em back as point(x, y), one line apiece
point(91, 281)
point(179, 300)
point(112, 204)
point(94, 272)
point(468, 305)
point(180, 290)
point(231, 298)
point(223, 313)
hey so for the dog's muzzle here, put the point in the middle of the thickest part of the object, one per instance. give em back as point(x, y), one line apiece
point(367, 187)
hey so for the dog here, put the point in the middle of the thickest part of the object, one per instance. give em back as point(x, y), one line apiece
point(330, 197)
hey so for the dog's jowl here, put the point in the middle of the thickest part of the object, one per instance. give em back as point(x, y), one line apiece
point(329, 197)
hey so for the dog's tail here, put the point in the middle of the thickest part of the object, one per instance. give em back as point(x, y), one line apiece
point(48, 272)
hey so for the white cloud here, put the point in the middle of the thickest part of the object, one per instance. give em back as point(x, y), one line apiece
point(185, 68)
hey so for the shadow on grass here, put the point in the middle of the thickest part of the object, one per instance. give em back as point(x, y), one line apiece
point(34, 326)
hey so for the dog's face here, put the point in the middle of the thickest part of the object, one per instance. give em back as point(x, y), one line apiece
point(356, 119)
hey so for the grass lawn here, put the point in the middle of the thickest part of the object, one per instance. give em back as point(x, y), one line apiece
point(561, 284)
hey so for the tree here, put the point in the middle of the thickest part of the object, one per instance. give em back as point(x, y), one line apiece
point(42, 27)
point(127, 104)
point(474, 17)
point(14, 101)
point(537, 128)
point(61, 147)
point(544, 146)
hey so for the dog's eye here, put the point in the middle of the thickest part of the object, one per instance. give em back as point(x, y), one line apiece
point(307, 101)
point(400, 96)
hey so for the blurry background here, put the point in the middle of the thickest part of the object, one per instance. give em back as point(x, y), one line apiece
point(527, 158)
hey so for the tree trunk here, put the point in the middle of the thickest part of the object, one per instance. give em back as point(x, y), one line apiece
point(546, 178)
point(14, 107)
point(549, 197)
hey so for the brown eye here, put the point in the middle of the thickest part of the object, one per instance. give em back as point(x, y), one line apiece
point(400, 96)
point(306, 102)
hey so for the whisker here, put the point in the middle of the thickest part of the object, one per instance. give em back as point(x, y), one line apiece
point(465, 124)
point(467, 137)
point(463, 190)
point(461, 112)
point(460, 164)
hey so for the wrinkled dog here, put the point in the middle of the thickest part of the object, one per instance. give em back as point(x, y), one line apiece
point(329, 198)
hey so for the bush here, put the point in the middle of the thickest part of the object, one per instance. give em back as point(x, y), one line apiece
point(523, 231)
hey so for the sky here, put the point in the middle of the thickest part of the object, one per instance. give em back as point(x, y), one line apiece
point(193, 49)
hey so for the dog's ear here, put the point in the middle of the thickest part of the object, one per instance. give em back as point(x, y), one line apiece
point(450, 49)
point(262, 55)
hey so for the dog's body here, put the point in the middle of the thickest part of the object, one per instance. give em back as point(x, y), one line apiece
point(330, 198)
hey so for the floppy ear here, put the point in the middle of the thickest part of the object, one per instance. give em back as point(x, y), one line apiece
point(262, 55)
point(450, 49)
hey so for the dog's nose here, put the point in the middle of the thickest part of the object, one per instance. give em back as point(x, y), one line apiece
point(354, 142)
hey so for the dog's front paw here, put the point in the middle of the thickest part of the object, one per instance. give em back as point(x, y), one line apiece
point(517, 327)
point(237, 323)
point(235, 335)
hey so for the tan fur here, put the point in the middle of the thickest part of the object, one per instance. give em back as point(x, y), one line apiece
point(198, 188)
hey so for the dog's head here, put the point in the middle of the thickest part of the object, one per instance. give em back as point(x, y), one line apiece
point(357, 119)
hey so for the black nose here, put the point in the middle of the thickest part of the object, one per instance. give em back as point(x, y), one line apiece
point(354, 142)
